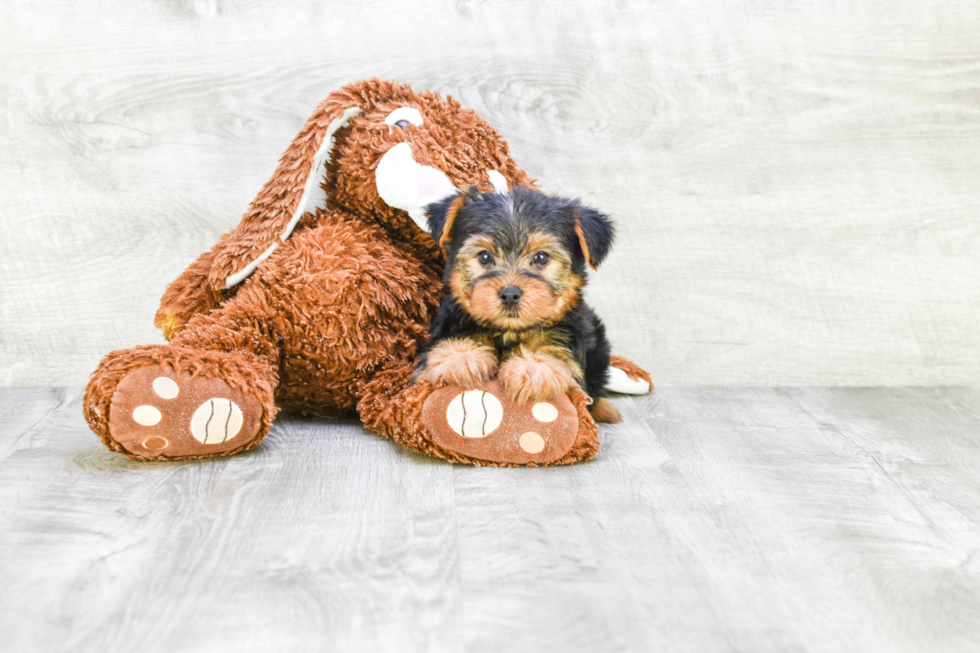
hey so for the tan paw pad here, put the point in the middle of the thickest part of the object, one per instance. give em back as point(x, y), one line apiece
point(147, 415)
point(531, 442)
point(544, 412)
point(165, 387)
point(216, 420)
point(156, 443)
point(474, 414)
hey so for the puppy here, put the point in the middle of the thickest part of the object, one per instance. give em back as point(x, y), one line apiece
point(515, 269)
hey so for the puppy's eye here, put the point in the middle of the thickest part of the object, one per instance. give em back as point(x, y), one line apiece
point(402, 123)
point(484, 257)
point(541, 259)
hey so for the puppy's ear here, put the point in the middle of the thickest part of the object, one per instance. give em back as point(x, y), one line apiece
point(442, 214)
point(595, 233)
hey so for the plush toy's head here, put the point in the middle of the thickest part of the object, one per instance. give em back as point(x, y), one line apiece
point(379, 150)
point(405, 150)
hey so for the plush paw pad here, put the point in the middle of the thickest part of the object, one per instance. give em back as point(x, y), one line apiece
point(474, 414)
point(157, 412)
point(485, 424)
point(217, 419)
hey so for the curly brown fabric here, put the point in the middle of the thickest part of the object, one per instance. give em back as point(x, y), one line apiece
point(332, 321)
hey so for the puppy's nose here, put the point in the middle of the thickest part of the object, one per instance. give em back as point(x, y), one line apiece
point(509, 296)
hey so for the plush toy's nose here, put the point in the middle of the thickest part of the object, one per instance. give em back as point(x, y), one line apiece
point(509, 296)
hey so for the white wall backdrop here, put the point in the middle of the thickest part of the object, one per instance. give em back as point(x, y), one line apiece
point(797, 184)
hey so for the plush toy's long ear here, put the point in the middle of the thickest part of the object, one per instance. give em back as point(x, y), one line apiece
point(595, 233)
point(294, 190)
point(442, 214)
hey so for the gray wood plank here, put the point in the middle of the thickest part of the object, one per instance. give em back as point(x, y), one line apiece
point(795, 183)
point(714, 519)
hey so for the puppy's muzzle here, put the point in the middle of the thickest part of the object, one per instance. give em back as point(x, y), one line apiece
point(510, 296)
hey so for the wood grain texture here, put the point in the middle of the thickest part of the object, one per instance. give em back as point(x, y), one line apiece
point(713, 520)
point(795, 183)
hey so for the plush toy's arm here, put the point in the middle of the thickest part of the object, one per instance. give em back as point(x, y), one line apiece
point(186, 296)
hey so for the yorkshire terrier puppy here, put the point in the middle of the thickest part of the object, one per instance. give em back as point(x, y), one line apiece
point(515, 269)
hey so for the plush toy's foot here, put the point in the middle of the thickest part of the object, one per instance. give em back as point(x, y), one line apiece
point(484, 424)
point(162, 403)
point(158, 412)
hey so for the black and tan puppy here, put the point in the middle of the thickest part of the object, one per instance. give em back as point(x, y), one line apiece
point(515, 269)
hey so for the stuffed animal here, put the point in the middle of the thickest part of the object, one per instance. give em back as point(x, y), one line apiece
point(321, 298)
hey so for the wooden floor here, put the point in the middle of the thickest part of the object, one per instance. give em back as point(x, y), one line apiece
point(713, 520)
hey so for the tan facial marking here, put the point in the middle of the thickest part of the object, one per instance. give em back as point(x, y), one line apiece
point(468, 268)
point(539, 242)
point(548, 291)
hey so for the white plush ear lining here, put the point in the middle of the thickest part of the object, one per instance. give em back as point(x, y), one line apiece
point(241, 275)
point(313, 194)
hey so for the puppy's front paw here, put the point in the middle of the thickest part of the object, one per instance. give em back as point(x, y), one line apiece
point(531, 376)
point(460, 362)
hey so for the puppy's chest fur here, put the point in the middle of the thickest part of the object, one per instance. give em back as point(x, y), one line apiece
point(553, 339)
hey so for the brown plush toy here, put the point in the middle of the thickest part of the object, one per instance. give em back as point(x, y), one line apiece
point(321, 298)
